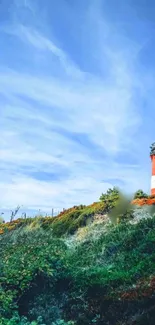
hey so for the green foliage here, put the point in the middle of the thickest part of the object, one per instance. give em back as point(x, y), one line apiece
point(122, 211)
point(44, 281)
point(140, 195)
point(110, 198)
point(113, 262)
point(26, 257)
point(62, 322)
point(70, 220)
point(117, 205)
point(66, 223)
point(17, 320)
point(1, 220)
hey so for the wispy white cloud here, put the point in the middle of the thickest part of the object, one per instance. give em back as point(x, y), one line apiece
point(32, 37)
point(76, 123)
point(90, 107)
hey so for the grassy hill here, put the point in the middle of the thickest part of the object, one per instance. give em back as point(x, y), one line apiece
point(89, 265)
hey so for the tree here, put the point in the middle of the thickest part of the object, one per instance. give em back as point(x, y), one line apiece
point(110, 198)
point(111, 194)
point(122, 211)
point(140, 195)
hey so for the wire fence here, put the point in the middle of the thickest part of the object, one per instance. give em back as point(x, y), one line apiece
point(52, 213)
point(11, 215)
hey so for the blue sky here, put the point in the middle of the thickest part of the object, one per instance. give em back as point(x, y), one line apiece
point(77, 104)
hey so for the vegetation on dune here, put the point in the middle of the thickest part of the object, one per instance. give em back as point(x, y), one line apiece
point(1, 220)
point(51, 275)
point(141, 198)
point(140, 195)
point(68, 221)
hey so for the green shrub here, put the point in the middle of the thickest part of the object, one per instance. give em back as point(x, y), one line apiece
point(26, 256)
point(44, 281)
point(140, 195)
point(17, 320)
point(62, 322)
point(110, 198)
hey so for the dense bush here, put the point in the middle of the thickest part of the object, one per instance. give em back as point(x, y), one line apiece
point(140, 195)
point(108, 277)
point(31, 261)
point(17, 320)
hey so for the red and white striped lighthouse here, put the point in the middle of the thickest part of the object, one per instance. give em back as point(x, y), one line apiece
point(152, 155)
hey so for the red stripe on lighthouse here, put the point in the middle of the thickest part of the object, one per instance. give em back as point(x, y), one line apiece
point(153, 175)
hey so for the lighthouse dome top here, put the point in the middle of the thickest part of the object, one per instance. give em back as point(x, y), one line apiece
point(152, 152)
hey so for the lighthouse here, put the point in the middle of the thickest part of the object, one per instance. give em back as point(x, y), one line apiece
point(152, 155)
